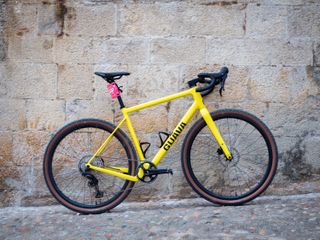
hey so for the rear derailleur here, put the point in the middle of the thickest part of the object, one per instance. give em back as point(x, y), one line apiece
point(93, 182)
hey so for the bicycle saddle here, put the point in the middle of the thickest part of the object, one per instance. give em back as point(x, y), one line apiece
point(111, 76)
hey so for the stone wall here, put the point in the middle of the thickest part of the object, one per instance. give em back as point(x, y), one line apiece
point(49, 50)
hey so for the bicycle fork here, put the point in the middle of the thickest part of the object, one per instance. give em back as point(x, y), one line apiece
point(212, 126)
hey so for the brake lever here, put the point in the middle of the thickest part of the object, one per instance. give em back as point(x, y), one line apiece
point(222, 85)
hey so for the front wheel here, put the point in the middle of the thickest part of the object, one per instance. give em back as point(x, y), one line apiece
point(220, 180)
point(80, 189)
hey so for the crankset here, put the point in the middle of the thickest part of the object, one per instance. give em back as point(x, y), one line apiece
point(151, 172)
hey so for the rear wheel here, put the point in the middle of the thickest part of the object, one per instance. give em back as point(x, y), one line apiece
point(80, 189)
point(247, 175)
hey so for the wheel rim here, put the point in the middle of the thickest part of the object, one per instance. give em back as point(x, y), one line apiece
point(235, 179)
point(67, 178)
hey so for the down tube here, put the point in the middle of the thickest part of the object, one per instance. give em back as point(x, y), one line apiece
point(176, 132)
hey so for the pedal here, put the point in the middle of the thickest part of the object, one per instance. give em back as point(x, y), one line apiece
point(160, 171)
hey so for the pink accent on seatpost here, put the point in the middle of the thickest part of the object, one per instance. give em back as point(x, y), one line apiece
point(113, 90)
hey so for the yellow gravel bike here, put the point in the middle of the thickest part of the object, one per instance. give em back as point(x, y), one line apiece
point(229, 157)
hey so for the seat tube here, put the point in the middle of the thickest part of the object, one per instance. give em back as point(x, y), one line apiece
point(133, 134)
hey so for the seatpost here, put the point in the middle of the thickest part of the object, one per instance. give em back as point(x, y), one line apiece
point(120, 102)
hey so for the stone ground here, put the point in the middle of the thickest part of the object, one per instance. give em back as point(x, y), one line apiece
point(268, 217)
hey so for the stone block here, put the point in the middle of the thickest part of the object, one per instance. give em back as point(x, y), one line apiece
point(98, 50)
point(269, 84)
point(211, 20)
point(149, 82)
point(8, 178)
point(176, 111)
point(78, 109)
point(300, 160)
point(49, 19)
point(76, 50)
point(302, 83)
point(147, 19)
point(45, 114)
point(153, 119)
point(312, 152)
point(75, 81)
point(184, 19)
point(266, 21)
point(3, 79)
point(259, 109)
point(259, 52)
point(21, 20)
point(39, 191)
point(12, 114)
point(30, 80)
point(29, 147)
point(178, 50)
point(303, 21)
point(23, 45)
point(13, 2)
point(294, 120)
point(286, 2)
point(125, 51)
point(6, 142)
point(31, 49)
point(7, 198)
point(3, 50)
point(23, 186)
point(316, 76)
point(316, 54)
point(91, 20)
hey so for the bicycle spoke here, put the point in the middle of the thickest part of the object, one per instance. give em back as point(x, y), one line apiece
point(221, 177)
point(73, 150)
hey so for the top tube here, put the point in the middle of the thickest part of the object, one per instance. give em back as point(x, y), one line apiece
point(189, 92)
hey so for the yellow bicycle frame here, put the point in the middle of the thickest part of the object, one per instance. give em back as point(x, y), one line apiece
point(197, 105)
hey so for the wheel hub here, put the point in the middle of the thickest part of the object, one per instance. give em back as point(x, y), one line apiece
point(235, 158)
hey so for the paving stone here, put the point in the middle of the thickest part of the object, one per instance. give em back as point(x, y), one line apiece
point(266, 218)
point(49, 51)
